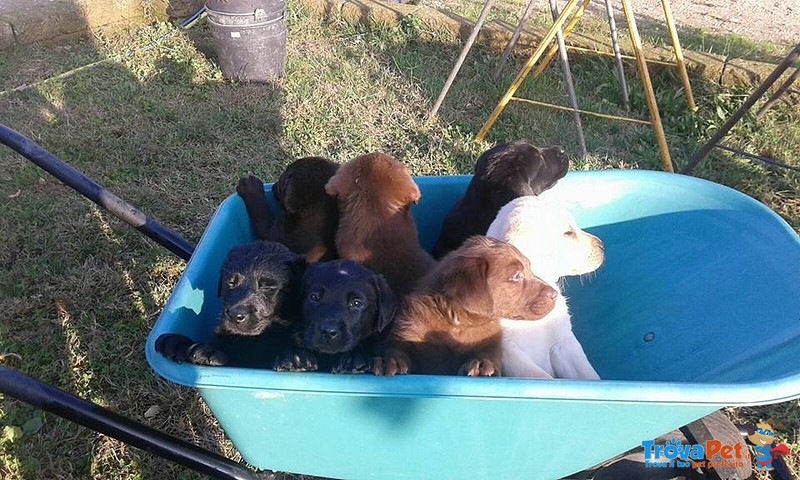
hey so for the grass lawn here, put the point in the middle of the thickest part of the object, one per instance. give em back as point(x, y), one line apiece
point(80, 290)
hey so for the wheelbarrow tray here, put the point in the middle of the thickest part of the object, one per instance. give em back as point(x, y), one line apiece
point(696, 307)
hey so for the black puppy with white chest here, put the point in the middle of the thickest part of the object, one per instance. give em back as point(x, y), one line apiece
point(345, 308)
point(259, 287)
point(502, 173)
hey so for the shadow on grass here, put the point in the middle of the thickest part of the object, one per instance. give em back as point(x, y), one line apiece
point(81, 289)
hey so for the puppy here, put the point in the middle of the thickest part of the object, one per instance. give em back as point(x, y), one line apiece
point(502, 174)
point(546, 232)
point(259, 285)
point(376, 228)
point(345, 308)
point(308, 216)
point(451, 323)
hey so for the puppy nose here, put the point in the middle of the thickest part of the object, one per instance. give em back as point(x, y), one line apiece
point(235, 314)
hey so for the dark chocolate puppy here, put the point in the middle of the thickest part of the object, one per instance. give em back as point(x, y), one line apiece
point(308, 216)
point(259, 286)
point(502, 174)
point(346, 307)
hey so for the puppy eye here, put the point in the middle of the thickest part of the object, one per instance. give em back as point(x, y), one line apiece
point(314, 297)
point(266, 283)
point(356, 303)
point(234, 281)
point(570, 233)
point(516, 277)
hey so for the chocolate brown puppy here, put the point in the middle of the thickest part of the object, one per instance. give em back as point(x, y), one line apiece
point(376, 229)
point(308, 216)
point(502, 173)
point(451, 323)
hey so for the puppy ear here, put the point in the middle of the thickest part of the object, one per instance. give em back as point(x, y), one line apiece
point(335, 185)
point(466, 284)
point(414, 195)
point(288, 200)
point(297, 265)
point(387, 302)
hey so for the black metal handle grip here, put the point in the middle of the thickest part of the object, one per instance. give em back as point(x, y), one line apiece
point(97, 418)
point(96, 193)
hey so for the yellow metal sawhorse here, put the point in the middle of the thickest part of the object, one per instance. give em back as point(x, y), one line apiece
point(555, 29)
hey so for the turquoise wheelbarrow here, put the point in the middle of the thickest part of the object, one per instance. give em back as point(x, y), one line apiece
point(697, 307)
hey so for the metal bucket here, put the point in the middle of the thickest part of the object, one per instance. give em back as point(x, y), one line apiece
point(249, 37)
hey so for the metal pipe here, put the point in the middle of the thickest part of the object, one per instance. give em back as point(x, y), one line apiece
point(741, 111)
point(612, 26)
point(513, 40)
point(94, 192)
point(649, 95)
point(461, 58)
point(584, 112)
point(99, 419)
point(676, 47)
point(567, 74)
point(548, 57)
point(537, 54)
point(780, 91)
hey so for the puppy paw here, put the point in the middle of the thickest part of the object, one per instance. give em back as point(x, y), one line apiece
point(180, 348)
point(354, 362)
point(390, 365)
point(249, 187)
point(296, 360)
point(480, 367)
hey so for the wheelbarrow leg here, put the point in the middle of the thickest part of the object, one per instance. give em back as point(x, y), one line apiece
point(102, 420)
point(717, 427)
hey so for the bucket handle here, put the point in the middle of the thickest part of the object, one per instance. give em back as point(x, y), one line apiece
point(257, 14)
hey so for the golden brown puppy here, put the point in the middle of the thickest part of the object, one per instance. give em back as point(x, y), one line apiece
point(451, 323)
point(376, 228)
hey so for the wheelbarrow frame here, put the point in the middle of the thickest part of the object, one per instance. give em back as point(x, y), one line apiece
point(107, 422)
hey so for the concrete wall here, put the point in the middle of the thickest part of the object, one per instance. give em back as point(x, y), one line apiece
point(27, 21)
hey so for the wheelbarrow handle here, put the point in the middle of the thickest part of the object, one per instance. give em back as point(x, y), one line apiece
point(96, 193)
point(99, 419)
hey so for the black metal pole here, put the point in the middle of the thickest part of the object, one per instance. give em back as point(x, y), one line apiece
point(780, 91)
point(746, 106)
point(99, 419)
point(94, 192)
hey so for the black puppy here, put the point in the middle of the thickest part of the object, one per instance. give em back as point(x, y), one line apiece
point(259, 287)
point(308, 216)
point(346, 307)
point(502, 173)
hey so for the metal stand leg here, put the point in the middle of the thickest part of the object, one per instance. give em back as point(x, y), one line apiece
point(513, 40)
point(537, 54)
point(676, 47)
point(548, 57)
point(612, 25)
point(781, 90)
point(741, 111)
point(460, 61)
point(641, 63)
point(567, 74)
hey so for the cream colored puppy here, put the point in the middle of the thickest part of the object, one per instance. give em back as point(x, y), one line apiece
point(545, 232)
